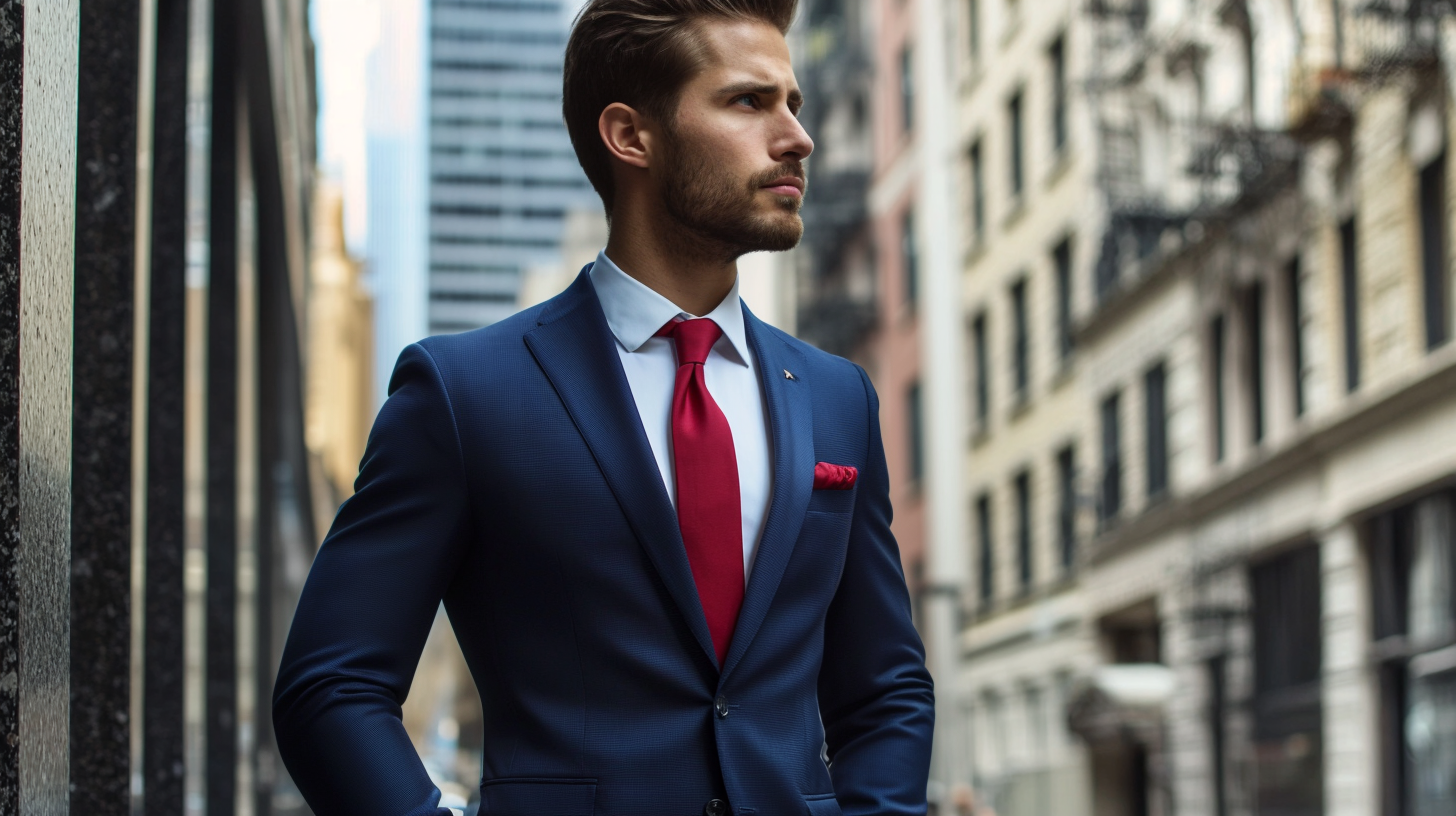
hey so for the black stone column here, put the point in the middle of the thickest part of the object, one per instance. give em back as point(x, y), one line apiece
point(12, 24)
point(102, 414)
point(163, 761)
point(285, 511)
point(222, 420)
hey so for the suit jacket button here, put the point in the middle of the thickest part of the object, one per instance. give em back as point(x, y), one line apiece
point(716, 807)
point(720, 706)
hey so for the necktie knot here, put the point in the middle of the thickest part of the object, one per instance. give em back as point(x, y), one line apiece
point(694, 338)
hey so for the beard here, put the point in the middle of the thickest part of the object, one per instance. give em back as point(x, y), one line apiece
point(720, 212)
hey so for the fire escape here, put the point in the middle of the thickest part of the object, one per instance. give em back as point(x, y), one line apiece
point(836, 281)
point(1212, 168)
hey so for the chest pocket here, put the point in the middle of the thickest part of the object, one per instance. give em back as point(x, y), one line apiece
point(833, 501)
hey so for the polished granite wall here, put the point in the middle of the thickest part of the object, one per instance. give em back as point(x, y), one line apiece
point(47, 251)
point(12, 14)
point(102, 413)
point(95, 318)
point(163, 759)
point(221, 719)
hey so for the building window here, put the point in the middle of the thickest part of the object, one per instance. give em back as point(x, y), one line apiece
point(1287, 661)
point(1216, 671)
point(998, 741)
point(1254, 327)
point(1350, 290)
point(983, 370)
point(978, 193)
point(1218, 344)
point(907, 88)
point(1057, 56)
point(1155, 384)
point(1133, 634)
point(1062, 259)
point(1067, 506)
point(1036, 723)
point(987, 548)
point(1023, 529)
point(912, 265)
point(1433, 251)
point(1413, 572)
point(1296, 333)
point(973, 30)
point(915, 427)
point(1111, 494)
point(1013, 115)
point(1020, 343)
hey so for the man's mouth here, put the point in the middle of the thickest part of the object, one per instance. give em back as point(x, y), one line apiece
point(786, 186)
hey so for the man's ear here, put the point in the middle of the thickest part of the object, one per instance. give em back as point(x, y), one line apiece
point(621, 129)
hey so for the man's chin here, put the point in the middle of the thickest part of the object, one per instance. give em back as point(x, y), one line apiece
point(778, 233)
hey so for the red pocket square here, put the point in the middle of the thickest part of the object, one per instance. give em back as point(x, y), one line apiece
point(834, 477)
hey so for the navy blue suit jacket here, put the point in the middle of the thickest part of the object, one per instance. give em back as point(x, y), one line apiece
point(509, 475)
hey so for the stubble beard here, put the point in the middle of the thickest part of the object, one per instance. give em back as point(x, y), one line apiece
point(718, 214)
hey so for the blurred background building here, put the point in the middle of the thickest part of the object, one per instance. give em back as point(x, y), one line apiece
point(502, 171)
point(1157, 296)
point(1208, 298)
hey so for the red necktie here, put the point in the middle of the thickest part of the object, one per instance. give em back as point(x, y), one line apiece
point(706, 471)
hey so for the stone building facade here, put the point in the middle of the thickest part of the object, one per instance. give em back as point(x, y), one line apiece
point(1256, 611)
point(857, 291)
point(1026, 166)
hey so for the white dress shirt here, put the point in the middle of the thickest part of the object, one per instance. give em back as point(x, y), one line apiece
point(635, 313)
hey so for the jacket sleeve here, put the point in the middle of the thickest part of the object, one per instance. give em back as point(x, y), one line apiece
point(875, 694)
point(367, 606)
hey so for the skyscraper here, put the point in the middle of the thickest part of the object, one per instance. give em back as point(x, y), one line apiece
point(502, 170)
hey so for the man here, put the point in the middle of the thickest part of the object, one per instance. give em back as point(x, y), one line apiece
point(660, 527)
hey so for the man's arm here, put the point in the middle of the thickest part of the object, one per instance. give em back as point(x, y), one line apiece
point(367, 606)
point(875, 695)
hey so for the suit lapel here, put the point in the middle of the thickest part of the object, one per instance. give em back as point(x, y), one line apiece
point(576, 349)
point(791, 428)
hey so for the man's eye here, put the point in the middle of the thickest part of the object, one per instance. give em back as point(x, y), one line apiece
point(750, 98)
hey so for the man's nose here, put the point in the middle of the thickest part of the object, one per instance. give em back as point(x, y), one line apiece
point(795, 142)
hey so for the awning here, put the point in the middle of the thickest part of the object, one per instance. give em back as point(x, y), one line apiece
point(1122, 702)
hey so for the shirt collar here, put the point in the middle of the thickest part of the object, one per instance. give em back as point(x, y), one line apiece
point(635, 312)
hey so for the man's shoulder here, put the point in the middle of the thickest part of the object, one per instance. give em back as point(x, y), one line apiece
point(817, 362)
point(509, 330)
point(503, 334)
point(490, 352)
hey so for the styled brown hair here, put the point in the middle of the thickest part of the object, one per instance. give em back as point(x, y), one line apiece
point(640, 53)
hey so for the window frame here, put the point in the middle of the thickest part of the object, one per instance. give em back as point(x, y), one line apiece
point(1025, 544)
point(1110, 495)
point(1057, 56)
point(986, 542)
point(1020, 339)
point(1062, 263)
point(982, 355)
point(1435, 263)
point(1350, 300)
point(1155, 405)
point(1016, 137)
point(1067, 506)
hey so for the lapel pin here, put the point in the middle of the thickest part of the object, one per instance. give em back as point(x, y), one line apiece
point(787, 375)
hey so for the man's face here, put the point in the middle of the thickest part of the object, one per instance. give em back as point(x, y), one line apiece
point(732, 168)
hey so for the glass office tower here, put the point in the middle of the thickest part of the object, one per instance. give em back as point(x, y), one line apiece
point(502, 171)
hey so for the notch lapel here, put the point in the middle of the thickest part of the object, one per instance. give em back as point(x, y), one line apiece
point(791, 427)
point(575, 348)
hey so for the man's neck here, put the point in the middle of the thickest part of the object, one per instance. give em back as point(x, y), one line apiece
point(692, 276)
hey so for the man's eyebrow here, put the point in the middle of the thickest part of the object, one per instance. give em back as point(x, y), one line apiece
point(768, 89)
point(749, 87)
